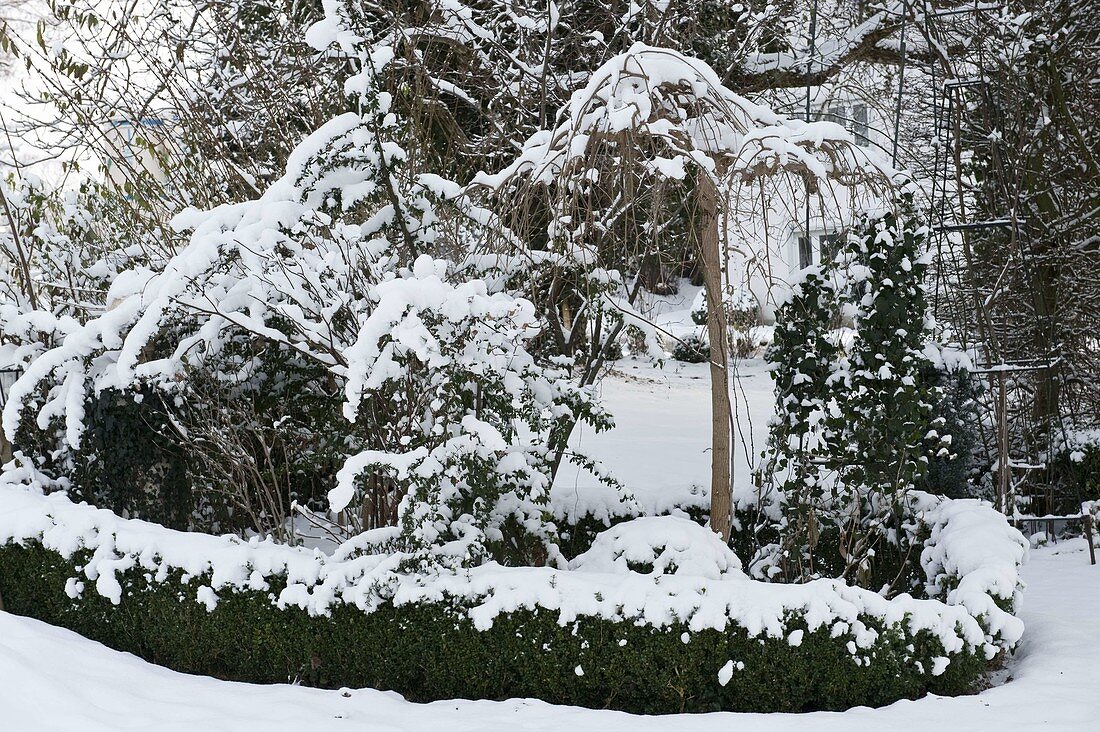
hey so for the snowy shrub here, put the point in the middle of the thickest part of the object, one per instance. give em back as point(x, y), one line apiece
point(333, 321)
point(660, 545)
point(699, 308)
point(741, 318)
point(856, 424)
point(482, 429)
point(692, 348)
point(793, 475)
point(435, 649)
point(887, 428)
point(1092, 508)
point(265, 612)
point(129, 463)
point(1075, 470)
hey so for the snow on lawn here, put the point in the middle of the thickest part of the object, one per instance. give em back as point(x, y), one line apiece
point(660, 447)
point(53, 679)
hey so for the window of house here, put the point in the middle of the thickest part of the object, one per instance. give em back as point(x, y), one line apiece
point(858, 126)
point(805, 252)
point(816, 248)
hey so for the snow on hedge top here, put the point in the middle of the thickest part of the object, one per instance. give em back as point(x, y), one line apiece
point(354, 575)
point(972, 559)
point(660, 545)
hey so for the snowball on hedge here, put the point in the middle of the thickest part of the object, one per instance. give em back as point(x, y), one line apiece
point(725, 673)
point(207, 597)
point(660, 545)
point(74, 588)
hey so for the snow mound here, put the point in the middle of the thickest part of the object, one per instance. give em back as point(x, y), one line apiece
point(660, 545)
point(972, 559)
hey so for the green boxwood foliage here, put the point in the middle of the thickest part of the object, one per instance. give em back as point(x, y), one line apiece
point(433, 651)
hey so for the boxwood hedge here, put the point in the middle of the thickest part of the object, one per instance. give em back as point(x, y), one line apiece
point(433, 651)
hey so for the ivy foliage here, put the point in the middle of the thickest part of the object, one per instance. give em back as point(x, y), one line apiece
point(856, 423)
point(128, 463)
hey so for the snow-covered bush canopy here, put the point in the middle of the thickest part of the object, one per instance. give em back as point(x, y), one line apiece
point(649, 122)
point(660, 545)
point(679, 116)
point(342, 268)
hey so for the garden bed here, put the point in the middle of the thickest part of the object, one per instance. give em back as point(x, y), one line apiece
point(257, 611)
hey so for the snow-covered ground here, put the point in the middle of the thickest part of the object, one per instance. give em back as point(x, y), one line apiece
point(660, 447)
point(52, 679)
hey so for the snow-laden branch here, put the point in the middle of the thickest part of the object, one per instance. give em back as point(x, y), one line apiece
point(931, 29)
point(680, 105)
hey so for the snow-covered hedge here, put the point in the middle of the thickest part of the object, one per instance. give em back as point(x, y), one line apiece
point(972, 558)
point(599, 635)
point(1075, 461)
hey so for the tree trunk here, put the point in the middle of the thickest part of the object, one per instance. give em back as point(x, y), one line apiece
point(711, 257)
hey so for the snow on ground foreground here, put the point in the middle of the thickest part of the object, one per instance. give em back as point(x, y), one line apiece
point(54, 680)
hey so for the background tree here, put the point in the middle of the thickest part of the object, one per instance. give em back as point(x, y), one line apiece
point(1035, 168)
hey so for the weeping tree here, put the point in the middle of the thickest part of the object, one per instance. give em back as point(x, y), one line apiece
point(655, 130)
